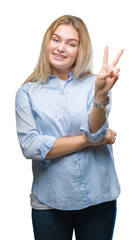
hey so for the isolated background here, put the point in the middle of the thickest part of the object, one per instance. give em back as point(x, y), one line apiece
point(22, 27)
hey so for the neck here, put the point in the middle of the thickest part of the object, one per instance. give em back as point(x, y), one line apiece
point(63, 75)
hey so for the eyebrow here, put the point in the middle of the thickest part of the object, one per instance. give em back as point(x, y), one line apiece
point(70, 39)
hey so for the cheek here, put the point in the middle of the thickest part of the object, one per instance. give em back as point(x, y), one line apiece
point(74, 54)
point(50, 50)
point(51, 46)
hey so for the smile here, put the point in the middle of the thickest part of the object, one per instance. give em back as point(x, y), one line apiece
point(59, 56)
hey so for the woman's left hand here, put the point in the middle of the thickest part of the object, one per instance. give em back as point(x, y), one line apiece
point(107, 76)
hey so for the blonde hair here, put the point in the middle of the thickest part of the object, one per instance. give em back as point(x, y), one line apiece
point(83, 65)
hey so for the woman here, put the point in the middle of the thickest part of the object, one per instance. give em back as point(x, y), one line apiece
point(62, 124)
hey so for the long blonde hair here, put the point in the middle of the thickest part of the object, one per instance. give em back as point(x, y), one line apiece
point(83, 66)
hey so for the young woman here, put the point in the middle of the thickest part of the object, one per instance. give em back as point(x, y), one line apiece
point(62, 124)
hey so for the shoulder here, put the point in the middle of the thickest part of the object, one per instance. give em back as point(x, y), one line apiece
point(22, 94)
point(89, 80)
point(91, 77)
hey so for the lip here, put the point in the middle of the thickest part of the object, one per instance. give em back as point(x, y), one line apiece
point(59, 56)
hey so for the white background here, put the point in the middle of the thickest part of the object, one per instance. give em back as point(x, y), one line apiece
point(23, 24)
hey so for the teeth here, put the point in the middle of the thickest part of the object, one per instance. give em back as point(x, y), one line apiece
point(59, 56)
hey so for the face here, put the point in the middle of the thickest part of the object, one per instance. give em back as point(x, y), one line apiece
point(63, 49)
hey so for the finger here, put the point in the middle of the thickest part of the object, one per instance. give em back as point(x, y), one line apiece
point(117, 58)
point(113, 72)
point(114, 79)
point(105, 57)
point(110, 142)
point(105, 74)
point(115, 76)
point(115, 133)
point(116, 70)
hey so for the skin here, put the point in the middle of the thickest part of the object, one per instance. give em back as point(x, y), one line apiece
point(67, 145)
point(105, 81)
point(62, 53)
point(63, 50)
point(107, 76)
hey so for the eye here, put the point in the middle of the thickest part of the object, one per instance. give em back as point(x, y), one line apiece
point(71, 44)
point(54, 39)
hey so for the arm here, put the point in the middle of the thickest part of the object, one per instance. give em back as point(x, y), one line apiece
point(96, 119)
point(106, 79)
point(39, 147)
point(66, 145)
point(35, 145)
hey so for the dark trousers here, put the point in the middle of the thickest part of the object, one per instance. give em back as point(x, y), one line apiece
point(92, 223)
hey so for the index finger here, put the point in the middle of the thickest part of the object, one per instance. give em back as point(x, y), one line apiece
point(117, 58)
point(105, 57)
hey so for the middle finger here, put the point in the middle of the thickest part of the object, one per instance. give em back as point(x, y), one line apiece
point(117, 58)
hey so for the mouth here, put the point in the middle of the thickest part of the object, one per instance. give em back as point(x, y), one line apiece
point(59, 56)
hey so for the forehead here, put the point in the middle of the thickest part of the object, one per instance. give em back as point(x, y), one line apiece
point(66, 32)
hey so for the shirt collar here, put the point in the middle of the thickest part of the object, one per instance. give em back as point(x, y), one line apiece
point(70, 74)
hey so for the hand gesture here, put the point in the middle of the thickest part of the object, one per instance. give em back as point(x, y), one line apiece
point(107, 76)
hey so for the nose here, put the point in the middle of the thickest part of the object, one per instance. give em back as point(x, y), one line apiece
point(61, 47)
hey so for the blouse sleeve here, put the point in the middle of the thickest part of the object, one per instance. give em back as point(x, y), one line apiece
point(33, 145)
point(93, 137)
